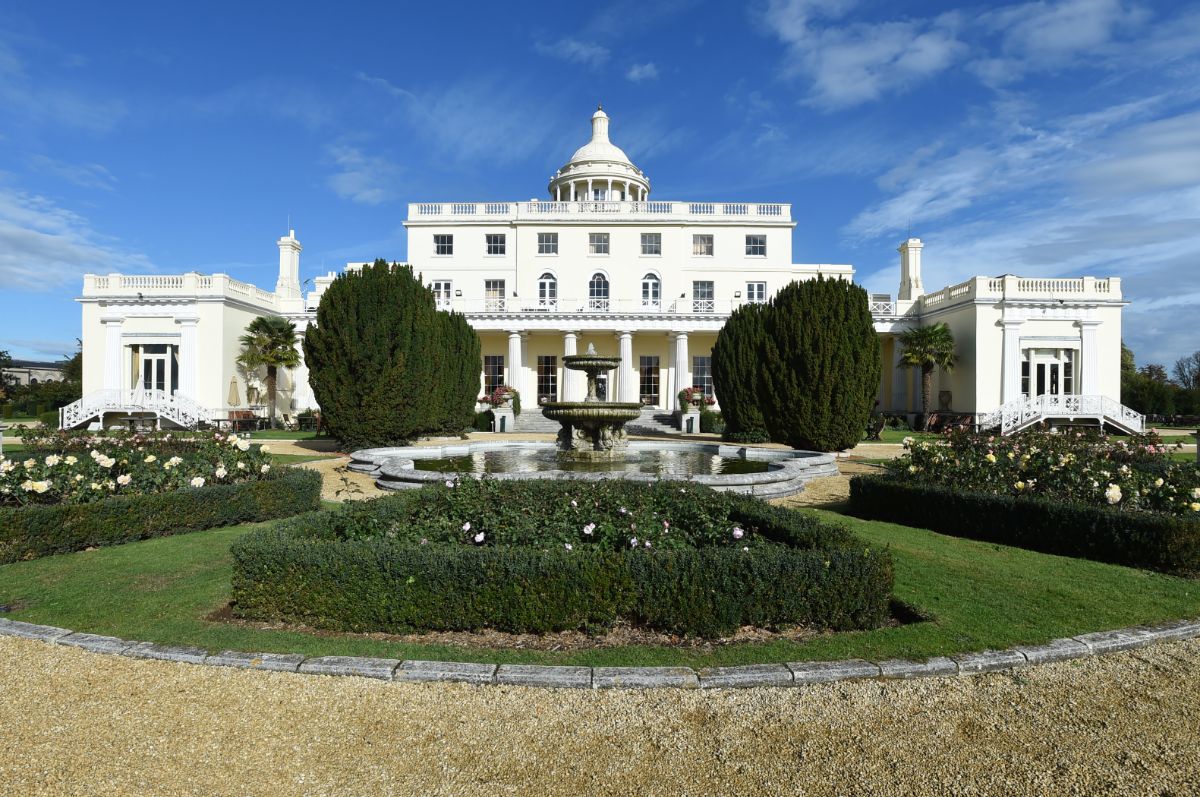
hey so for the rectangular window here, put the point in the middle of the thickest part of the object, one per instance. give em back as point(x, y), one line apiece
point(648, 370)
point(493, 372)
point(1025, 378)
point(756, 292)
point(756, 245)
point(702, 245)
point(495, 243)
point(547, 377)
point(442, 293)
point(597, 243)
point(652, 243)
point(703, 297)
point(443, 244)
point(702, 374)
point(1069, 373)
point(493, 295)
point(547, 243)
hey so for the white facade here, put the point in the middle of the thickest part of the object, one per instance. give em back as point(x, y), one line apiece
point(601, 263)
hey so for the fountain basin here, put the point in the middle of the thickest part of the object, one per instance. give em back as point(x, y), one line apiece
point(786, 472)
point(584, 411)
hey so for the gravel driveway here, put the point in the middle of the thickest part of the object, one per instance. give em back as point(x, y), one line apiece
point(73, 722)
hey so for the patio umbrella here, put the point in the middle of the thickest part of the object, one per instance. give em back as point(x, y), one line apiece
point(234, 398)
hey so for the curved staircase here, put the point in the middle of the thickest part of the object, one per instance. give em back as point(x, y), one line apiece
point(1025, 412)
point(176, 408)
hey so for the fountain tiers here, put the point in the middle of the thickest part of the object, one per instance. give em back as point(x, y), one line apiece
point(591, 429)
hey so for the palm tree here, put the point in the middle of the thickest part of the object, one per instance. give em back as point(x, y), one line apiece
point(269, 341)
point(928, 348)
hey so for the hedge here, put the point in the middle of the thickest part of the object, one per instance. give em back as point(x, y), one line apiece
point(819, 575)
point(1148, 540)
point(33, 531)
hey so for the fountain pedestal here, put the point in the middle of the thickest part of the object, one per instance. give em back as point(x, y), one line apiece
point(591, 429)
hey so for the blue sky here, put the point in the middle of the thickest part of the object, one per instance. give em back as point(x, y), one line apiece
point(1039, 138)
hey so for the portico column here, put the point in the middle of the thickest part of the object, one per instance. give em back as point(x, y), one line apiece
point(683, 376)
point(1089, 371)
point(514, 359)
point(608, 196)
point(187, 356)
point(574, 192)
point(568, 376)
point(627, 384)
point(1011, 379)
point(899, 379)
point(589, 190)
point(113, 369)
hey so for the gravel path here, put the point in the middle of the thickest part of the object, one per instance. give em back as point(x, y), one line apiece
point(77, 723)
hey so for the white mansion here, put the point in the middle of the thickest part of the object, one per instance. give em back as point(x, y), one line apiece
point(601, 263)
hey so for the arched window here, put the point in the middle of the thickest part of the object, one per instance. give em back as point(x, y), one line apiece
point(547, 291)
point(651, 291)
point(598, 293)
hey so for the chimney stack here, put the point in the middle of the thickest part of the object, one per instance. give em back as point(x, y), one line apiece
point(288, 286)
point(910, 270)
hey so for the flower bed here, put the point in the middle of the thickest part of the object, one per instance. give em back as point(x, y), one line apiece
point(1127, 474)
point(34, 530)
point(1119, 500)
point(83, 468)
point(549, 556)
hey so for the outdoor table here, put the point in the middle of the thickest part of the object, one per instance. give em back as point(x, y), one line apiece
point(133, 421)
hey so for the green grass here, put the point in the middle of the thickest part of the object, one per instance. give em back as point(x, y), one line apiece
point(898, 435)
point(980, 596)
point(284, 434)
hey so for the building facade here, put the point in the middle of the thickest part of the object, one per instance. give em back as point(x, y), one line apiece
point(599, 262)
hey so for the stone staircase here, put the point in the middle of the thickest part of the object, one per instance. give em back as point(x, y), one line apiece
point(651, 422)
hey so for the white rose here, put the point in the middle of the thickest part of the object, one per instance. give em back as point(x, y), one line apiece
point(241, 466)
point(150, 458)
point(220, 473)
point(70, 460)
point(198, 481)
point(52, 460)
point(124, 479)
point(264, 468)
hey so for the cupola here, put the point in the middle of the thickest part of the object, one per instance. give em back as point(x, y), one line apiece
point(599, 171)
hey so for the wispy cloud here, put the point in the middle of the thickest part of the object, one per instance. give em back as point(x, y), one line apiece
point(40, 346)
point(25, 100)
point(859, 62)
point(576, 51)
point(638, 73)
point(367, 180)
point(84, 175)
point(44, 246)
point(474, 120)
point(275, 97)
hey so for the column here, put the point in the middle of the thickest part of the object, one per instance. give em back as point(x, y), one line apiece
point(899, 379)
point(608, 194)
point(1089, 354)
point(1011, 380)
point(114, 372)
point(514, 359)
point(188, 357)
point(574, 192)
point(589, 190)
point(627, 385)
point(568, 391)
point(558, 193)
point(683, 366)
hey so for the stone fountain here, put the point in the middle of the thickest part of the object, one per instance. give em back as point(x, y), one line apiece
point(591, 429)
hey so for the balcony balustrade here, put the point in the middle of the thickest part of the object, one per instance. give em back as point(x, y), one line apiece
point(568, 211)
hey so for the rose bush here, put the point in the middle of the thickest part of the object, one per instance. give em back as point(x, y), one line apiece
point(82, 468)
point(1122, 473)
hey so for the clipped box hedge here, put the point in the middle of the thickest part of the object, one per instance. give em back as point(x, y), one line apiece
point(1166, 543)
point(815, 573)
point(37, 530)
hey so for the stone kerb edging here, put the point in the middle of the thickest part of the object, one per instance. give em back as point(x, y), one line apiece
point(750, 675)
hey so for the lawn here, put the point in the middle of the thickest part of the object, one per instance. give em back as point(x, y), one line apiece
point(898, 435)
point(285, 434)
point(979, 595)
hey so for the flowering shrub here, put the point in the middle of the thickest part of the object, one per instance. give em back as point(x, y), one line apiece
point(610, 515)
point(499, 396)
point(79, 469)
point(1126, 474)
point(695, 394)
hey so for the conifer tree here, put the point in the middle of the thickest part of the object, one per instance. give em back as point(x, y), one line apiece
point(820, 366)
point(384, 364)
point(737, 372)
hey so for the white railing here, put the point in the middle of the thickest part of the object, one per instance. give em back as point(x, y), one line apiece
point(1020, 413)
point(189, 284)
point(546, 211)
point(1009, 287)
point(882, 304)
point(176, 407)
point(589, 305)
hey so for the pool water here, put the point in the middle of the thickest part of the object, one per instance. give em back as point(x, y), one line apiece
point(659, 463)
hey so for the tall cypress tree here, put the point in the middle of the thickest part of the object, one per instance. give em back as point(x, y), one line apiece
point(737, 372)
point(382, 360)
point(820, 370)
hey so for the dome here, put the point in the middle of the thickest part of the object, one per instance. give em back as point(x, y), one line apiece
point(599, 170)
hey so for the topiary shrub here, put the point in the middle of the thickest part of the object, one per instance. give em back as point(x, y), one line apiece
point(737, 366)
point(548, 556)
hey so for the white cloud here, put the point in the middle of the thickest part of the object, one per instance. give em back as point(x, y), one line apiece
point(40, 346)
point(361, 178)
point(44, 246)
point(640, 72)
point(35, 102)
point(859, 62)
point(587, 53)
point(85, 175)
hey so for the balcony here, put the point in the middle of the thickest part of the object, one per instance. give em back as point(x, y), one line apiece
point(591, 306)
point(451, 212)
point(175, 285)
